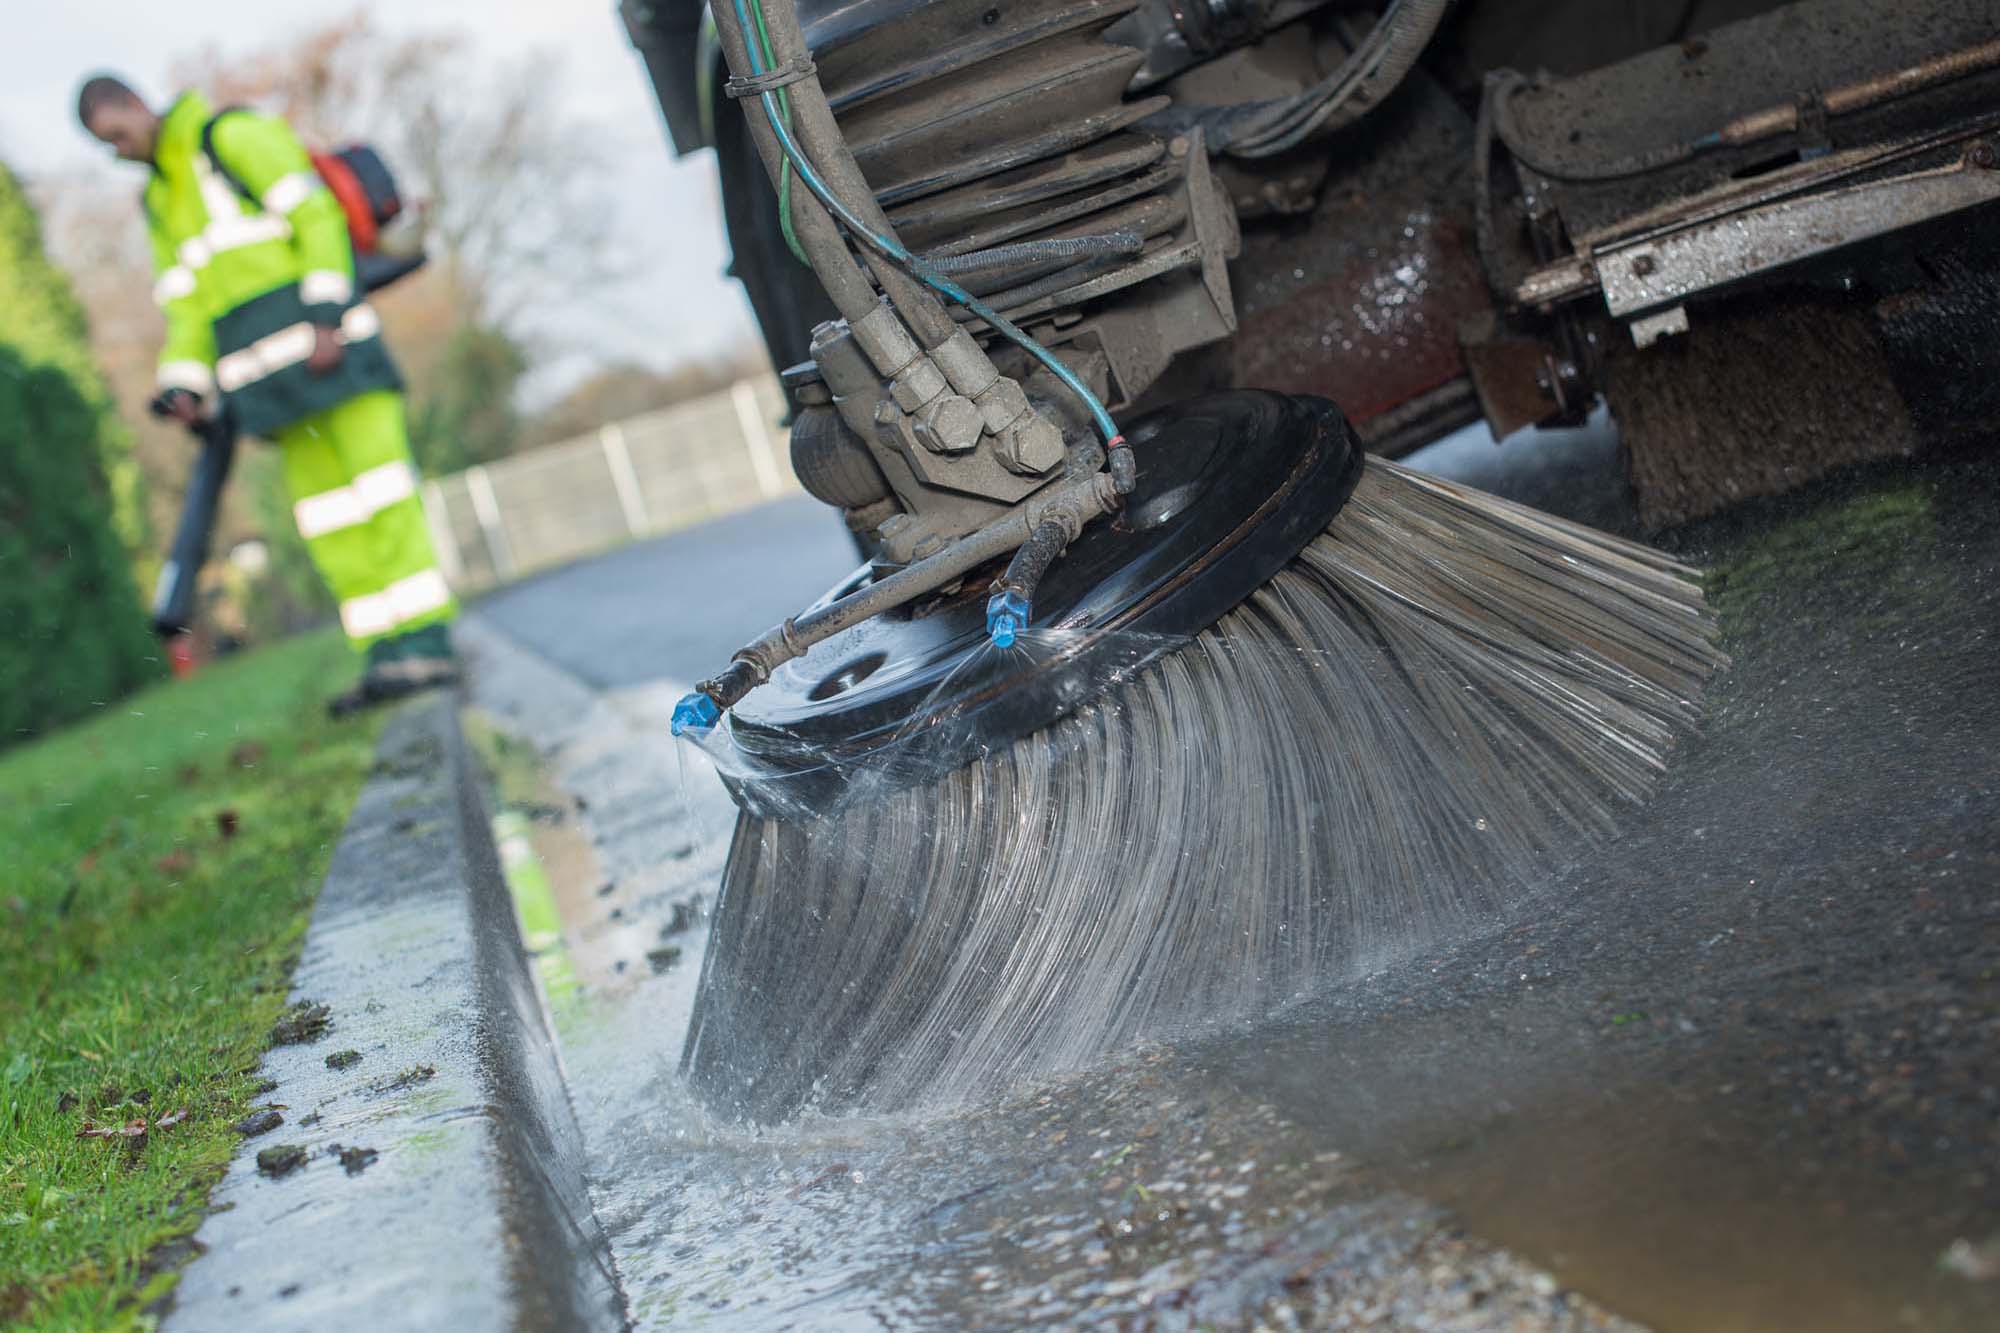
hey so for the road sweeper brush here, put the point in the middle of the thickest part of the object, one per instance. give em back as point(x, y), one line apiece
point(1122, 732)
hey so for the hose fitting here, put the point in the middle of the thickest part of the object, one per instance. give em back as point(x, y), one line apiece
point(696, 714)
point(1123, 466)
point(1007, 613)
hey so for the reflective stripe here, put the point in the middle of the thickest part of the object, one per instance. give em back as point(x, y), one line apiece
point(175, 283)
point(229, 227)
point(402, 601)
point(380, 487)
point(329, 511)
point(289, 346)
point(288, 192)
point(324, 285)
point(271, 353)
point(365, 617)
point(190, 375)
point(357, 502)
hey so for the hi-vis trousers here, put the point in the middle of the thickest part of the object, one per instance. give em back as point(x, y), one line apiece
point(354, 498)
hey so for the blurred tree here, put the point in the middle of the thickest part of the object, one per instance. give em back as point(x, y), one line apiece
point(627, 390)
point(513, 191)
point(469, 416)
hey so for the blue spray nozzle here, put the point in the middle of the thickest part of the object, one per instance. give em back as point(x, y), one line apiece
point(1007, 614)
point(696, 713)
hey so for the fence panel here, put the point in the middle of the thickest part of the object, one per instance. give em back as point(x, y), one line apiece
point(645, 475)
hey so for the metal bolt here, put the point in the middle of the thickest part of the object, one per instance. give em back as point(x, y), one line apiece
point(1031, 445)
point(1644, 266)
point(949, 424)
point(1984, 157)
point(1178, 145)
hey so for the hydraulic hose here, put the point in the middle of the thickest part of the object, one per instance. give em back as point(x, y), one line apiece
point(1005, 260)
point(883, 242)
point(1013, 298)
point(1011, 606)
point(822, 141)
point(1369, 74)
point(846, 284)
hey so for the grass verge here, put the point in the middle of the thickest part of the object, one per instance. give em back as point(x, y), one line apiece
point(159, 865)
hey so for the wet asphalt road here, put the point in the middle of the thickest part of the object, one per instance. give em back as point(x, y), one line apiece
point(1738, 1070)
point(675, 608)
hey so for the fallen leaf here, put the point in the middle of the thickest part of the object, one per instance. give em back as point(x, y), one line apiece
point(131, 1129)
point(171, 1119)
point(225, 823)
point(177, 862)
point(248, 754)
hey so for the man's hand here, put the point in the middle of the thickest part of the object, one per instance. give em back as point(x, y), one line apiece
point(177, 405)
point(327, 351)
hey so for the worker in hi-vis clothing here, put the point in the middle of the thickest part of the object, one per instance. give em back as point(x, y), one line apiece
point(262, 311)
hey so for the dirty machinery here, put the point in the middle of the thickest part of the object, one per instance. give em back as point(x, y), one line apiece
point(1650, 213)
point(1760, 234)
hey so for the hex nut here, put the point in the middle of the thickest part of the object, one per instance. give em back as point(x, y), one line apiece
point(1031, 446)
point(920, 382)
point(948, 424)
point(1002, 402)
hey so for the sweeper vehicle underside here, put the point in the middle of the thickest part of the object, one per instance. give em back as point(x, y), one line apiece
point(1098, 323)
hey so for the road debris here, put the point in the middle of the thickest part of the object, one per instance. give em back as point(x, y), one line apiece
point(304, 1021)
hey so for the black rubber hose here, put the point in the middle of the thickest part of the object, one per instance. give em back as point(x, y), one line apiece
point(997, 261)
point(1015, 297)
point(1032, 561)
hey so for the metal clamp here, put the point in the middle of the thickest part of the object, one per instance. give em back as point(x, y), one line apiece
point(756, 85)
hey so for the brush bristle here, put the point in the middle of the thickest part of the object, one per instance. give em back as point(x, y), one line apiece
point(1444, 695)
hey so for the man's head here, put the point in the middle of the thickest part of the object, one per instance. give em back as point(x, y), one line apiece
point(110, 110)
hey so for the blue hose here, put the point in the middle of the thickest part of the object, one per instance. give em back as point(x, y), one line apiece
point(896, 253)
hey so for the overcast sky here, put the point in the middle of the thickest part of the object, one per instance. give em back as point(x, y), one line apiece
point(678, 305)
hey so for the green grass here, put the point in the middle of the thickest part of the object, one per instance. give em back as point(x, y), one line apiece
point(157, 865)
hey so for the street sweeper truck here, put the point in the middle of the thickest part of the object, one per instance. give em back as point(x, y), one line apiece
point(1163, 690)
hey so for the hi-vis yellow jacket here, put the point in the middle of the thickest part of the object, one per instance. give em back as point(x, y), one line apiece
point(242, 283)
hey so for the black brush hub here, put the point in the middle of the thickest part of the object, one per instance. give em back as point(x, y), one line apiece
point(1230, 487)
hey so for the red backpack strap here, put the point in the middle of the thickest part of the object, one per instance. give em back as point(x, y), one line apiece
point(340, 178)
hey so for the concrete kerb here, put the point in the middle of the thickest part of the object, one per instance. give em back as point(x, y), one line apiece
point(474, 1212)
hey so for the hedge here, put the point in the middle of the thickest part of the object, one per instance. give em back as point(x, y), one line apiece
point(73, 635)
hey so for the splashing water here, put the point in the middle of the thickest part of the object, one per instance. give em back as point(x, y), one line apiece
point(1441, 695)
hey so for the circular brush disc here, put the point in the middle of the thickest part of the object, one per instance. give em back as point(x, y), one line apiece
point(1230, 488)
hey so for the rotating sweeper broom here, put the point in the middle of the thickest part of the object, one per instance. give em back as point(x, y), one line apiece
point(1123, 729)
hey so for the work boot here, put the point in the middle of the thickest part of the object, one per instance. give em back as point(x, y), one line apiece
point(399, 666)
